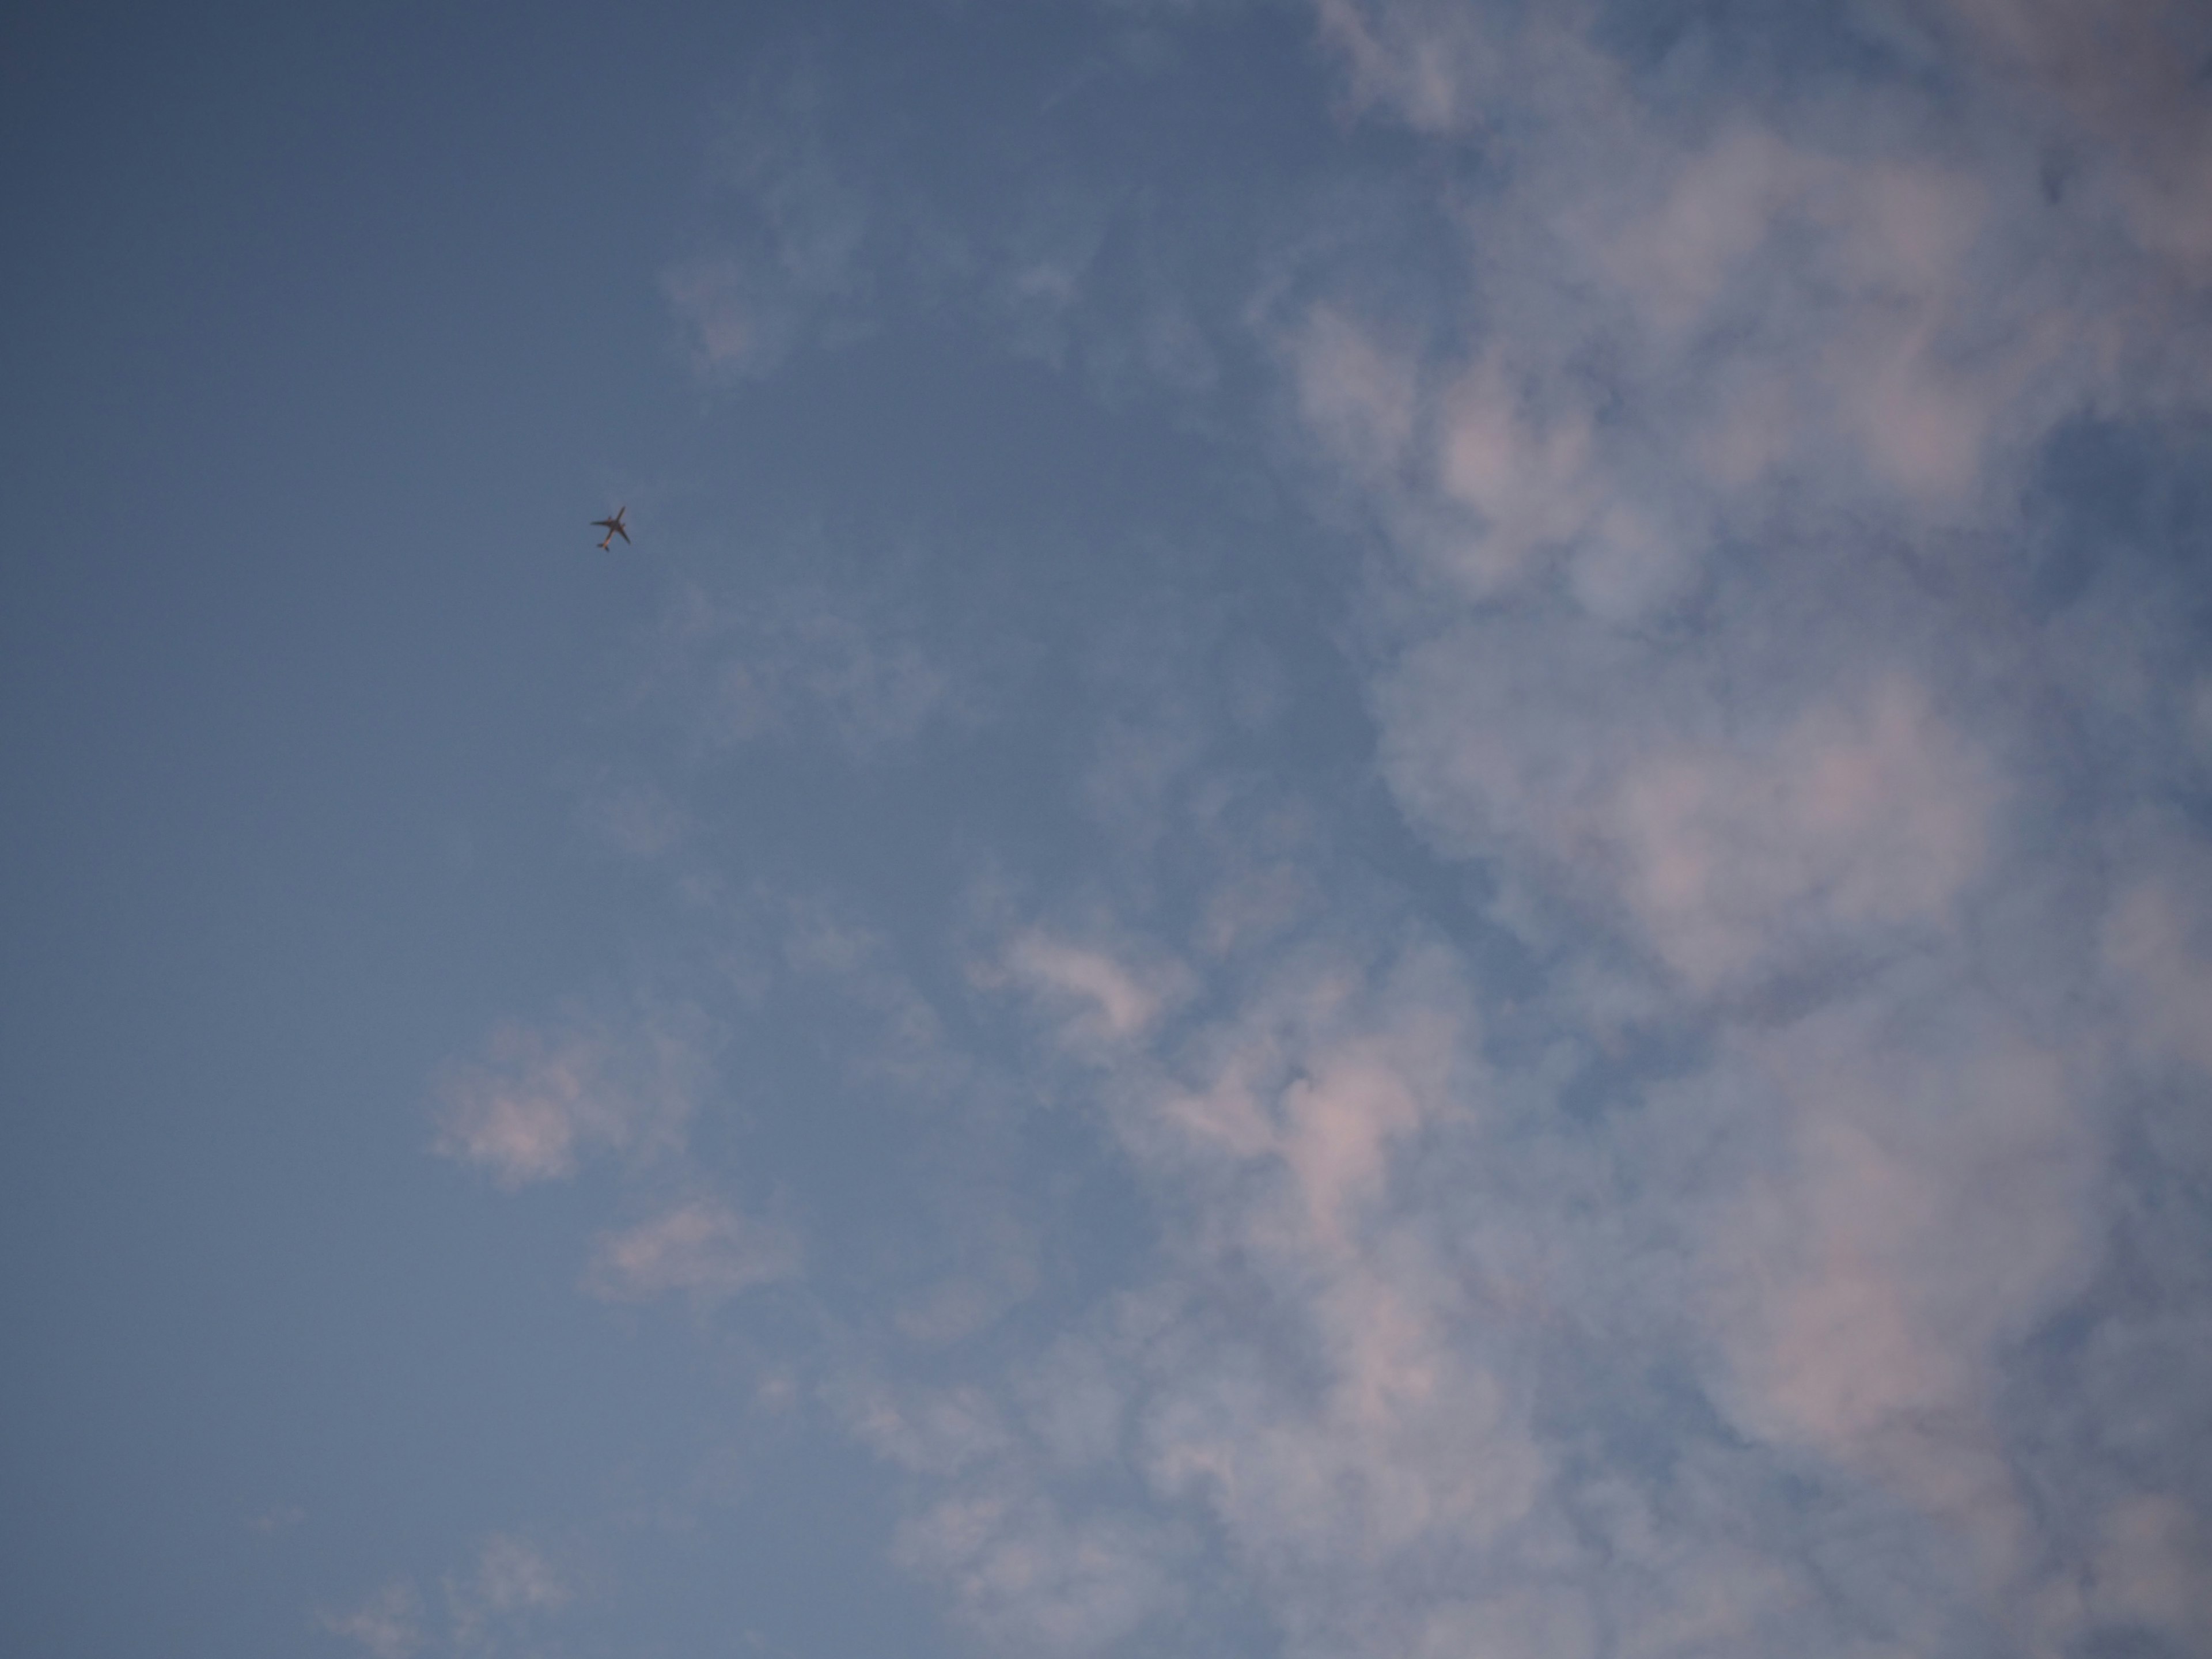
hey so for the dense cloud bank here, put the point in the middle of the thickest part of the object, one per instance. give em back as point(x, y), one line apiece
point(1767, 469)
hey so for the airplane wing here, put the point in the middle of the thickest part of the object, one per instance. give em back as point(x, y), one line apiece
point(620, 532)
point(606, 523)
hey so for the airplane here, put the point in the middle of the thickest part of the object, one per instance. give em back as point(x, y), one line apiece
point(613, 526)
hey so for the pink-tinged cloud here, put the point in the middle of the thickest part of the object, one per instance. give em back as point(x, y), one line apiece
point(923, 1431)
point(1864, 820)
point(1106, 1001)
point(1431, 63)
point(539, 1100)
point(1278, 1158)
point(1362, 399)
point(1307, 1111)
point(1027, 1578)
point(703, 1248)
point(1930, 1195)
point(2153, 1567)
point(1520, 455)
point(1866, 814)
point(1874, 315)
point(709, 297)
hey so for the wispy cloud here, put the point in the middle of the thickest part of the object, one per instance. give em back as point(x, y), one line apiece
point(1105, 1000)
point(539, 1100)
point(703, 1248)
point(1028, 1579)
point(512, 1584)
point(794, 262)
point(508, 1592)
point(388, 1624)
point(807, 666)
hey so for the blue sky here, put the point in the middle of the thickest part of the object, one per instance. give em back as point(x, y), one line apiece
point(1392, 840)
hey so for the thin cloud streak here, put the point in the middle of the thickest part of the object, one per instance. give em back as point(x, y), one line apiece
point(703, 1248)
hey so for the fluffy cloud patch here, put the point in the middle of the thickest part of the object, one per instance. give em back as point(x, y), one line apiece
point(1704, 1158)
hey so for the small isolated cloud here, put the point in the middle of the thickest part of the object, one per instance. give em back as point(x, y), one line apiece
point(703, 1248)
point(538, 1099)
point(283, 1517)
point(730, 329)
